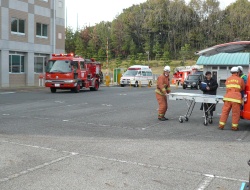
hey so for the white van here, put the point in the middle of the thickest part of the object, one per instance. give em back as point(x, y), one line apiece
point(137, 75)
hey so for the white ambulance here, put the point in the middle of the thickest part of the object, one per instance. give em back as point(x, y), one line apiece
point(137, 75)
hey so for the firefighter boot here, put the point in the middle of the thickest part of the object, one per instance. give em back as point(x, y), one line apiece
point(221, 127)
point(235, 129)
point(162, 119)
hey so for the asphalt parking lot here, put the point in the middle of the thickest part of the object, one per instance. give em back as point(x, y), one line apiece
point(112, 139)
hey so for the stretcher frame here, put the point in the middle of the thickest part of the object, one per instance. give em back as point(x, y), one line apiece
point(191, 99)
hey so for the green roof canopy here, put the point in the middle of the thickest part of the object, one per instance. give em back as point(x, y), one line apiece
point(225, 59)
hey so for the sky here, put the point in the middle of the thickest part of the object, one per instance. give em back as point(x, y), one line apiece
point(91, 12)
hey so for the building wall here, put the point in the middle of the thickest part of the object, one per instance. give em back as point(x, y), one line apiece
point(223, 72)
point(17, 80)
point(29, 44)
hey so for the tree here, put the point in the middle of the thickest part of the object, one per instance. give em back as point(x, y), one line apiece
point(69, 40)
point(185, 52)
point(78, 45)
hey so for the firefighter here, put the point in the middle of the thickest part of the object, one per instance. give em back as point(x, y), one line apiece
point(163, 88)
point(232, 99)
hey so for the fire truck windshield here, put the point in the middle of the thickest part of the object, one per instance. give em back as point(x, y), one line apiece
point(58, 66)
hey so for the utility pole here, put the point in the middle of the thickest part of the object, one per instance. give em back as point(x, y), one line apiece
point(147, 52)
point(107, 54)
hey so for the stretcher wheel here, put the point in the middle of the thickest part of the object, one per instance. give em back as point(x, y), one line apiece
point(205, 123)
point(210, 121)
point(186, 118)
point(180, 119)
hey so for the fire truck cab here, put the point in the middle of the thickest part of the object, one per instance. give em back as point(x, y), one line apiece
point(66, 71)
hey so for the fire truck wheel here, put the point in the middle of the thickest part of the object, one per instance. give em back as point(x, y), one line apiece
point(96, 86)
point(53, 90)
point(184, 87)
point(122, 85)
point(77, 88)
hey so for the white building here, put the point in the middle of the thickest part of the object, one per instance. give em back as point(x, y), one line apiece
point(30, 31)
point(221, 64)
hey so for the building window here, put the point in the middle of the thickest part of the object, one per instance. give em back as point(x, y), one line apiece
point(18, 26)
point(59, 36)
point(38, 64)
point(16, 63)
point(214, 67)
point(223, 68)
point(41, 30)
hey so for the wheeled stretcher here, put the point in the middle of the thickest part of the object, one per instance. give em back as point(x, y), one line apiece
point(191, 99)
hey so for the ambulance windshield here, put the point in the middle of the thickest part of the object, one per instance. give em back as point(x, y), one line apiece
point(130, 73)
point(58, 66)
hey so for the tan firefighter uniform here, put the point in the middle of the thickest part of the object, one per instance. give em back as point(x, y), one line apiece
point(163, 88)
point(232, 100)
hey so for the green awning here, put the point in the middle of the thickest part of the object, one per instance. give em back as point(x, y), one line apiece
point(242, 59)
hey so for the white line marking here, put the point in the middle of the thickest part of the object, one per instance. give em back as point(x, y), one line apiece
point(3, 93)
point(205, 182)
point(6, 114)
point(35, 168)
point(61, 102)
point(70, 154)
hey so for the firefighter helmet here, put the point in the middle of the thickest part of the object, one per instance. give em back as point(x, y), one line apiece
point(240, 68)
point(166, 68)
point(234, 70)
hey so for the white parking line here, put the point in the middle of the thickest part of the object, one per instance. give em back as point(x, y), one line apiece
point(203, 185)
point(3, 93)
point(34, 168)
point(70, 154)
point(205, 182)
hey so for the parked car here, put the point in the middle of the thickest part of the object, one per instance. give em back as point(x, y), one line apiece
point(193, 81)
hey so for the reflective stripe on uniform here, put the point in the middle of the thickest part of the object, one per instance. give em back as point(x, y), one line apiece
point(243, 76)
point(164, 89)
point(160, 114)
point(233, 86)
point(235, 125)
point(222, 123)
point(159, 92)
point(168, 88)
point(232, 100)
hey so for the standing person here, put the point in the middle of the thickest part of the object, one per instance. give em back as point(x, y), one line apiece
point(211, 89)
point(163, 88)
point(242, 75)
point(232, 99)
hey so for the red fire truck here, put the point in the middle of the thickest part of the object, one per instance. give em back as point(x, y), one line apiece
point(66, 71)
point(181, 73)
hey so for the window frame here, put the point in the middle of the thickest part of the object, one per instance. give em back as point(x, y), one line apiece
point(21, 63)
point(18, 26)
point(42, 30)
